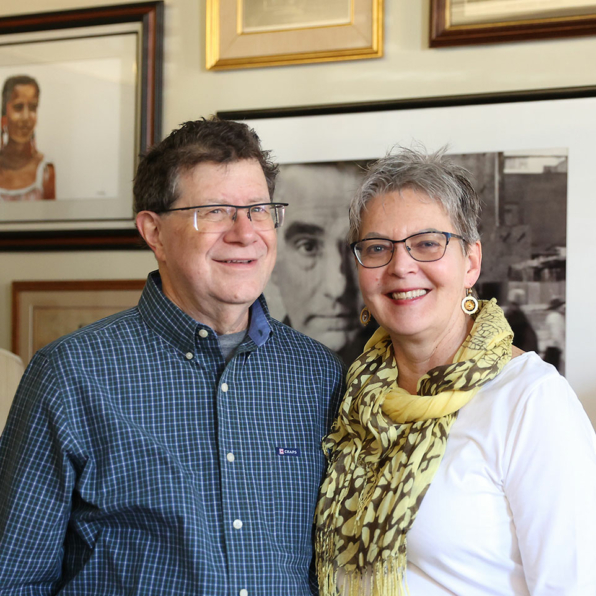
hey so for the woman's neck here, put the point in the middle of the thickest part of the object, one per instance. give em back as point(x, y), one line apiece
point(16, 155)
point(415, 358)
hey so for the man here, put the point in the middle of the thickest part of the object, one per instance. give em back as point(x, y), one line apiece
point(524, 336)
point(175, 448)
point(315, 273)
point(555, 336)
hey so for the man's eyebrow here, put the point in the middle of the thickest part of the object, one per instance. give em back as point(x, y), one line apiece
point(299, 228)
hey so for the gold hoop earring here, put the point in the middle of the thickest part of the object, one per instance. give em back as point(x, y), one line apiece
point(365, 316)
point(469, 304)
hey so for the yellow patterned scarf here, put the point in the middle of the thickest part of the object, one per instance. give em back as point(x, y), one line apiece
point(384, 450)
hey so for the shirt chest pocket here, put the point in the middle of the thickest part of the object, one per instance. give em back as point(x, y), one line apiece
point(287, 481)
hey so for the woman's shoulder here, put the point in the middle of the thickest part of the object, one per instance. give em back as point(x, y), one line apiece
point(525, 369)
point(525, 379)
point(530, 390)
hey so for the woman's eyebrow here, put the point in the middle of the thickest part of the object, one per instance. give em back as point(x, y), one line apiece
point(379, 235)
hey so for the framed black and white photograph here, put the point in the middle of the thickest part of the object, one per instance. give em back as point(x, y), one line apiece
point(81, 98)
point(532, 161)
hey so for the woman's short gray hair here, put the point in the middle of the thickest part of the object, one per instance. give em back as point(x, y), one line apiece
point(434, 174)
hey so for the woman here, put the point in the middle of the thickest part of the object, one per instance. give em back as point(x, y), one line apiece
point(454, 454)
point(25, 175)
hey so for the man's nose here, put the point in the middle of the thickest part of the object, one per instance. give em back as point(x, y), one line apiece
point(336, 274)
point(242, 228)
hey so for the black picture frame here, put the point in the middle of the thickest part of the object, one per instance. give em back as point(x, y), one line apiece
point(149, 17)
point(504, 123)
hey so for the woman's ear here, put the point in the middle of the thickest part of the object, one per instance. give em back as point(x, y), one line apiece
point(474, 262)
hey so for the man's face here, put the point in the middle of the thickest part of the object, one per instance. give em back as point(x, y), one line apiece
point(315, 273)
point(204, 273)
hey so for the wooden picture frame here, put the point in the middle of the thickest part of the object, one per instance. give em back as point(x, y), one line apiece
point(43, 311)
point(459, 22)
point(354, 31)
point(106, 62)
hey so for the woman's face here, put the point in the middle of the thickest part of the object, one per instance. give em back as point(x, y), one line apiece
point(431, 309)
point(21, 113)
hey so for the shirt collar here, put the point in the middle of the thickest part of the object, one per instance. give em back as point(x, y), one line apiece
point(259, 328)
point(179, 329)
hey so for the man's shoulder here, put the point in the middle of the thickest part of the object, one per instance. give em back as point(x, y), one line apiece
point(109, 329)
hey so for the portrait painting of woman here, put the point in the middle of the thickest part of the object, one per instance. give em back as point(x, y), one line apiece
point(25, 174)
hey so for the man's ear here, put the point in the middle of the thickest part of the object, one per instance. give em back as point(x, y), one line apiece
point(149, 226)
point(474, 259)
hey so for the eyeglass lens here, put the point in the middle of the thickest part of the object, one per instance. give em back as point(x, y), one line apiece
point(220, 218)
point(425, 247)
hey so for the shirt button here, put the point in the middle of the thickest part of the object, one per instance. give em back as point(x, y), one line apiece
point(189, 355)
point(237, 524)
point(203, 333)
point(243, 592)
point(224, 387)
point(230, 457)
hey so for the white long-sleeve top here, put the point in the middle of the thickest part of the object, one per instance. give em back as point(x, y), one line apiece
point(512, 508)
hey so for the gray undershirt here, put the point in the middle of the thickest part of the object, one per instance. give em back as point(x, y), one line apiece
point(229, 342)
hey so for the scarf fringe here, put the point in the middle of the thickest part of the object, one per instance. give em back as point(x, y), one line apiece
point(383, 578)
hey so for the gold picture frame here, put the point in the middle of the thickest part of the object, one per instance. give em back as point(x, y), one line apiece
point(43, 311)
point(356, 33)
point(465, 22)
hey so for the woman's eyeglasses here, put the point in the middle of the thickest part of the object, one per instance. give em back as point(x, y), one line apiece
point(424, 247)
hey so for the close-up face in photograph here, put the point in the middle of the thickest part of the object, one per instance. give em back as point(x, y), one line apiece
point(315, 273)
point(21, 113)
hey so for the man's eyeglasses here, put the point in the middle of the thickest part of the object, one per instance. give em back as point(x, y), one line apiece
point(221, 218)
point(424, 247)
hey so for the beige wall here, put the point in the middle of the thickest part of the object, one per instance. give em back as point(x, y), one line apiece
point(409, 69)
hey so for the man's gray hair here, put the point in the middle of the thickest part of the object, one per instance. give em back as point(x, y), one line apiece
point(434, 174)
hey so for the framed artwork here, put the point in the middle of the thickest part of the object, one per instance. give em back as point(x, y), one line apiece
point(43, 311)
point(81, 99)
point(462, 22)
point(251, 33)
point(532, 159)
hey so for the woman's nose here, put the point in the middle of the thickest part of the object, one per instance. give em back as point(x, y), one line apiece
point(401, 263)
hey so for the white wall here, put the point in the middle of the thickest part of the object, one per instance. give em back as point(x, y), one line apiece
point(409, 69)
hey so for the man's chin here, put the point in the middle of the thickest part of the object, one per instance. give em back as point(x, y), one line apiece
point(333, 339)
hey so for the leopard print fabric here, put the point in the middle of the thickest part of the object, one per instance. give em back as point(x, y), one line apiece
point(382, 459)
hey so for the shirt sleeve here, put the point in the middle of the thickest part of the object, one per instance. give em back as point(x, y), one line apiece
point(36, 483)
point(550, 484)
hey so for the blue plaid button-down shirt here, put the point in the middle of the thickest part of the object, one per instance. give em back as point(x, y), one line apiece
point(135, 461)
